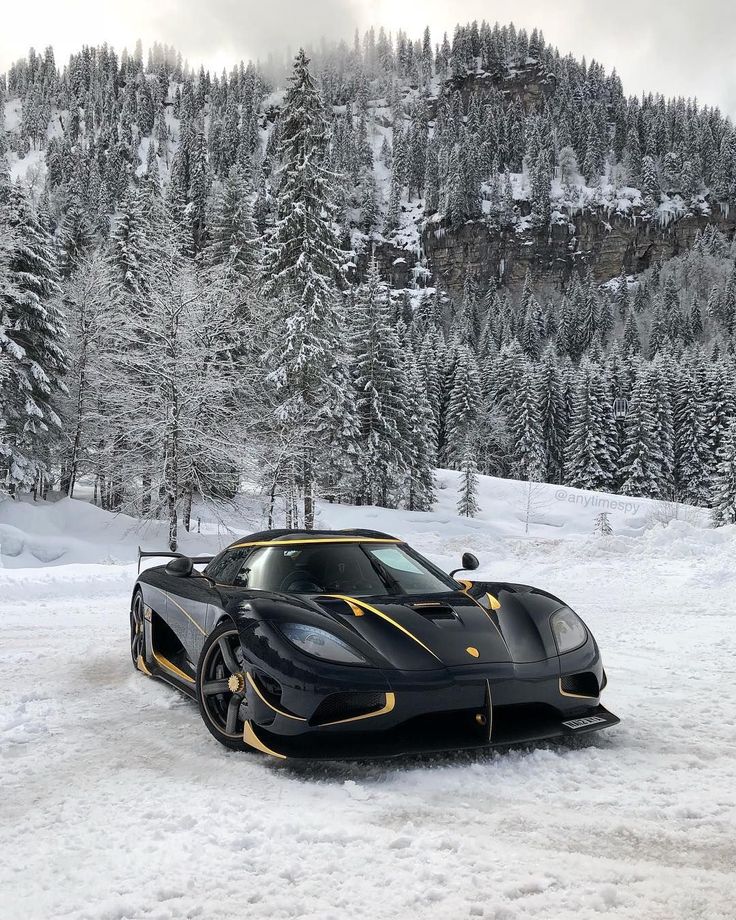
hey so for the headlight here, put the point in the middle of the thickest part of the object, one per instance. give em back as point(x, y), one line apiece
point(568, 630)
point(320, 643)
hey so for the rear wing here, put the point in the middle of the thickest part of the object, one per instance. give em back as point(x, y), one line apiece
point(197, 560)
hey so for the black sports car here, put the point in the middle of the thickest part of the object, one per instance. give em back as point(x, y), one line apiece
point(334, 644)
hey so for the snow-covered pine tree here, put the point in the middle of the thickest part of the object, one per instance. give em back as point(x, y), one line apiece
point(301, 268)
point(691, 449)
point(723, 493)
point(380, 387)
point(467, 503)
point(233, 240)
point(526, 430)
point(631, 339)
point(590, 454)
point(463, 407)
point(75, 237)
point(32, 337)
point(553, 416)
point(419, 444)
point(642, 462)
point(602, 524)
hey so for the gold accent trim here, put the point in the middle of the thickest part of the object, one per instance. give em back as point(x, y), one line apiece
point(578, 696)
point(465, 582)
point(141, 665)
point(387, 707)
point(489, 708)
point(384, 616)
point(351, 604)
point(263, 699)
point(488, 614)
point(317, 540)
point(473, 651)
point(169, 666)
point(493, 601)
point(251, 738)
point(236, 683)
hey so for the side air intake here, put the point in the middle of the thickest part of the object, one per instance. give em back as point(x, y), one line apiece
point(342, 707)
point(582, 684)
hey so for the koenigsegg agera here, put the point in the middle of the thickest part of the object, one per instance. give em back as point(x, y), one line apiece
point(349, 644)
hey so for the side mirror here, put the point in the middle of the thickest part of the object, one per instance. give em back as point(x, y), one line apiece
point(181, 567)
point(469, 563)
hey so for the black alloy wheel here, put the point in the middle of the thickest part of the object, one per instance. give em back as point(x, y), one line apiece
point(221, 686)
point(137, 633)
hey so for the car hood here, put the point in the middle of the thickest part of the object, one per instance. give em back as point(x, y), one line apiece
point(419, 632)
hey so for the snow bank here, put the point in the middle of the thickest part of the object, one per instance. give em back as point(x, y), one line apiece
point(70, 531)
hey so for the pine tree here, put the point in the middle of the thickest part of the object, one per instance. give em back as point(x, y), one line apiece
point(233, 238)
point(380, 386)
point(76, 237)
point(32, 337)
point(467, 503)
point(463, 407)
point(602, 524)
point(723, 494)
point(590, 454)
point(691, 451)
point(650, 185)
point(642, 461)
point(540, 192)
point(419, 444)
point(526, 431)
point(301, 269)
point(631, 339)
point(553, 416)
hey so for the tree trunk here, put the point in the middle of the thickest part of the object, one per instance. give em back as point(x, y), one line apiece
point(146, 496)
point(186, 515)
point(172, 470)
point(308, 496)
point(272, 497)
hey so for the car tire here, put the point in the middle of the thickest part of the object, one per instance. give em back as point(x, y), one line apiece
point(137, 633)
point(223, 711)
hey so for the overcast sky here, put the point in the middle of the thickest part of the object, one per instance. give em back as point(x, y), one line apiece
point(677, 47)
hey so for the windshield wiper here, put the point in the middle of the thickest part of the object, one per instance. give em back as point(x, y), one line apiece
point(389, 581)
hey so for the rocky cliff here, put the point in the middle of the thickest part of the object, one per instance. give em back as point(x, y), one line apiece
point(593, 241)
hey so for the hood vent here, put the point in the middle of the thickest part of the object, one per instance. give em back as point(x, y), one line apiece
point(434, 610)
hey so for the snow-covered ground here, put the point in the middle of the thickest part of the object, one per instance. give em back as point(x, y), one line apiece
point(116, 803)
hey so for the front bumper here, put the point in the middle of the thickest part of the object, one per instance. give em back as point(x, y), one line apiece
point(453, 709)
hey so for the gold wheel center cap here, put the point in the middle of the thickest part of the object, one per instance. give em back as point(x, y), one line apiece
point(236, 683)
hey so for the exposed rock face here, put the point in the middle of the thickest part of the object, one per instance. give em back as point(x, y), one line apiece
point(605, 245)
point(530, 86)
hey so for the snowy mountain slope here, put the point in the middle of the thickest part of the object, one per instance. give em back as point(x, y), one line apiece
point(117, 804)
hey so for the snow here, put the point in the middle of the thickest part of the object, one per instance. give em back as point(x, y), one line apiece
point(118, 804)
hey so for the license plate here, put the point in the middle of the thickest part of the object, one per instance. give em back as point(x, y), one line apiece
point(582, 723)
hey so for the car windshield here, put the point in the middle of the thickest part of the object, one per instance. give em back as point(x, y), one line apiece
point(356, 569)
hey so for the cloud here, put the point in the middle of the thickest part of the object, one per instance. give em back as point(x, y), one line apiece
point(254, 28)
point(668, 46)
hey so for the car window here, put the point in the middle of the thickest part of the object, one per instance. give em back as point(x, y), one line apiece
point(407, 573)
point(355, 569)
point(225, 567)
point(393, 557)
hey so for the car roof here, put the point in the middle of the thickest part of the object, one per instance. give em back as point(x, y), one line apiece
point(275, 537)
